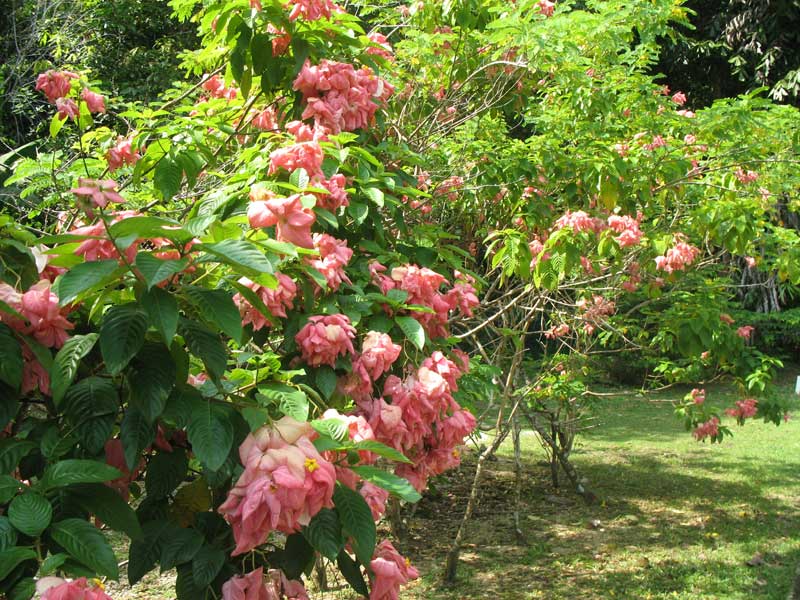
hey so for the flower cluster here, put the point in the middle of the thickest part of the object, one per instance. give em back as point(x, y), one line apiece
point(277, 300)
point(252, 586)
point(324, 338)
point(578, 221)
point(122, 153)
point(708, 429)
point(333, 257)
point(291, 219)
point(678, 257)
point(744, 409)
point(628, 229)
point(389, 571)
point(312, 10)
point(55, 84)
point(42, 317)
point(56, 588)
point(285, 483)
point(96, 193)
point(340, 98)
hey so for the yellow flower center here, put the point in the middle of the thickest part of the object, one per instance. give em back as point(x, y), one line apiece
point(311, 465)
point(98, 583)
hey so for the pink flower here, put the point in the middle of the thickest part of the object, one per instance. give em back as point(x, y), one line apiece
point(55, 588)
point(305, 155)
point(333, 257)
point(291, 220)
point(745, 331)
point(546, 7)
point(276, 300)
point(381, 47)
point(55, 84)
point(115, 456)
point(94, 101)
point(746, 176)
point(698, 396)
point(679, 98)
point(285, 483)
point(67, 108)
point(34, 375)
point(281, 41)
point(678, 257)
point(324, 338)
point(578, 221)
point(628, 229)
point(250, 586)
point(47, 323)
point(98, 193)
point(311, 10)
point(557, 331)
point(689, 139)
point(121, 154)
point(658, 142)
point(744, 409)
point(389, 571)
point(376, 498)
point(266, 120)
point(726, 318)
point(215, 86)
point(708, 429)
point(336, 196)
point(750, 261)
point(378, 353)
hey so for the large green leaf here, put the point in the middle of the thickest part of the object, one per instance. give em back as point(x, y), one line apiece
point(73, 470)
point(108, 506)
point(8, 535)
point(352, 573)
point(290, 400)
point(211, 435)
point(380, 449)
point(10, 358)
point(155, 270)
point(9, 487)
point(325, 378)
point(412, 329)
point(206, 345)
point(11, 557)
point(87, 544)
point(127, 231)
point(356, 518)
point(324, 533)
point(65, 365)
point(162, 310)
point(240, 253)
point(122, 335)
point(144, 553)
point(180, 546)
point(11, 452)
point(91, 407)
point(85, 276)
point(217, 308)
point(165, 472)
point(167, 177)
point(152, 379)
point(30, 513)
point(135, 432)
point(206, 564)
point(388, 481)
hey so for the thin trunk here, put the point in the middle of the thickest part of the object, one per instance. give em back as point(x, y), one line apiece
point(517, 430)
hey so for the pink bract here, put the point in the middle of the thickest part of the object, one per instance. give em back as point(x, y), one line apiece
point(324, 338)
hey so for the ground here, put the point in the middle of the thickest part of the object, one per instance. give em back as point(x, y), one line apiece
point(677, 519)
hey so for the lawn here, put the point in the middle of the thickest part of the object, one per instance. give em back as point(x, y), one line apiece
point(677, 519)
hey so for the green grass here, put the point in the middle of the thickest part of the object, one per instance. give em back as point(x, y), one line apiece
point(678, 519)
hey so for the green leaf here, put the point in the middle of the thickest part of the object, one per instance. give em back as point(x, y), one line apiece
point(290, 400)
point(240, 253)
point(8, 535)
point(165, 472)
point(87, 544)
point(85, 276)
point(167, 177)
point(185, 588)
point(326, 381)
point(65, 365)
point(297, 556)
point(108, 506)
point(11, 557)
point(144, 553)
point(51, 564)
point(358, 211)
point(352, 573)
point(24, 590)
point(356, 518)
point(217, 308)
point(388, 481)
point(206, 345)
point(375, 195)
point(324, 533)
point(135, 432)
point(128, 230)
point(180, 546)
point(412, 330)
point(9, 405)
point(11, 452)
point(30, 513)
point(162, 310)
point(155, 270)
point(91, 407)
point(334, 428)
point(56, 123)
point(206, 564)
point(11, 364)
point(73, 470)
point(9, 487)
point(380, 449)
point(211, 435)
point(122, 335)
point(151, 380)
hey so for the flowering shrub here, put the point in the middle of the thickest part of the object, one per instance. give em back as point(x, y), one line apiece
point(224, 352)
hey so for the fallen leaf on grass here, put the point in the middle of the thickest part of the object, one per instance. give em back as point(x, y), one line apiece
point(756, 560)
